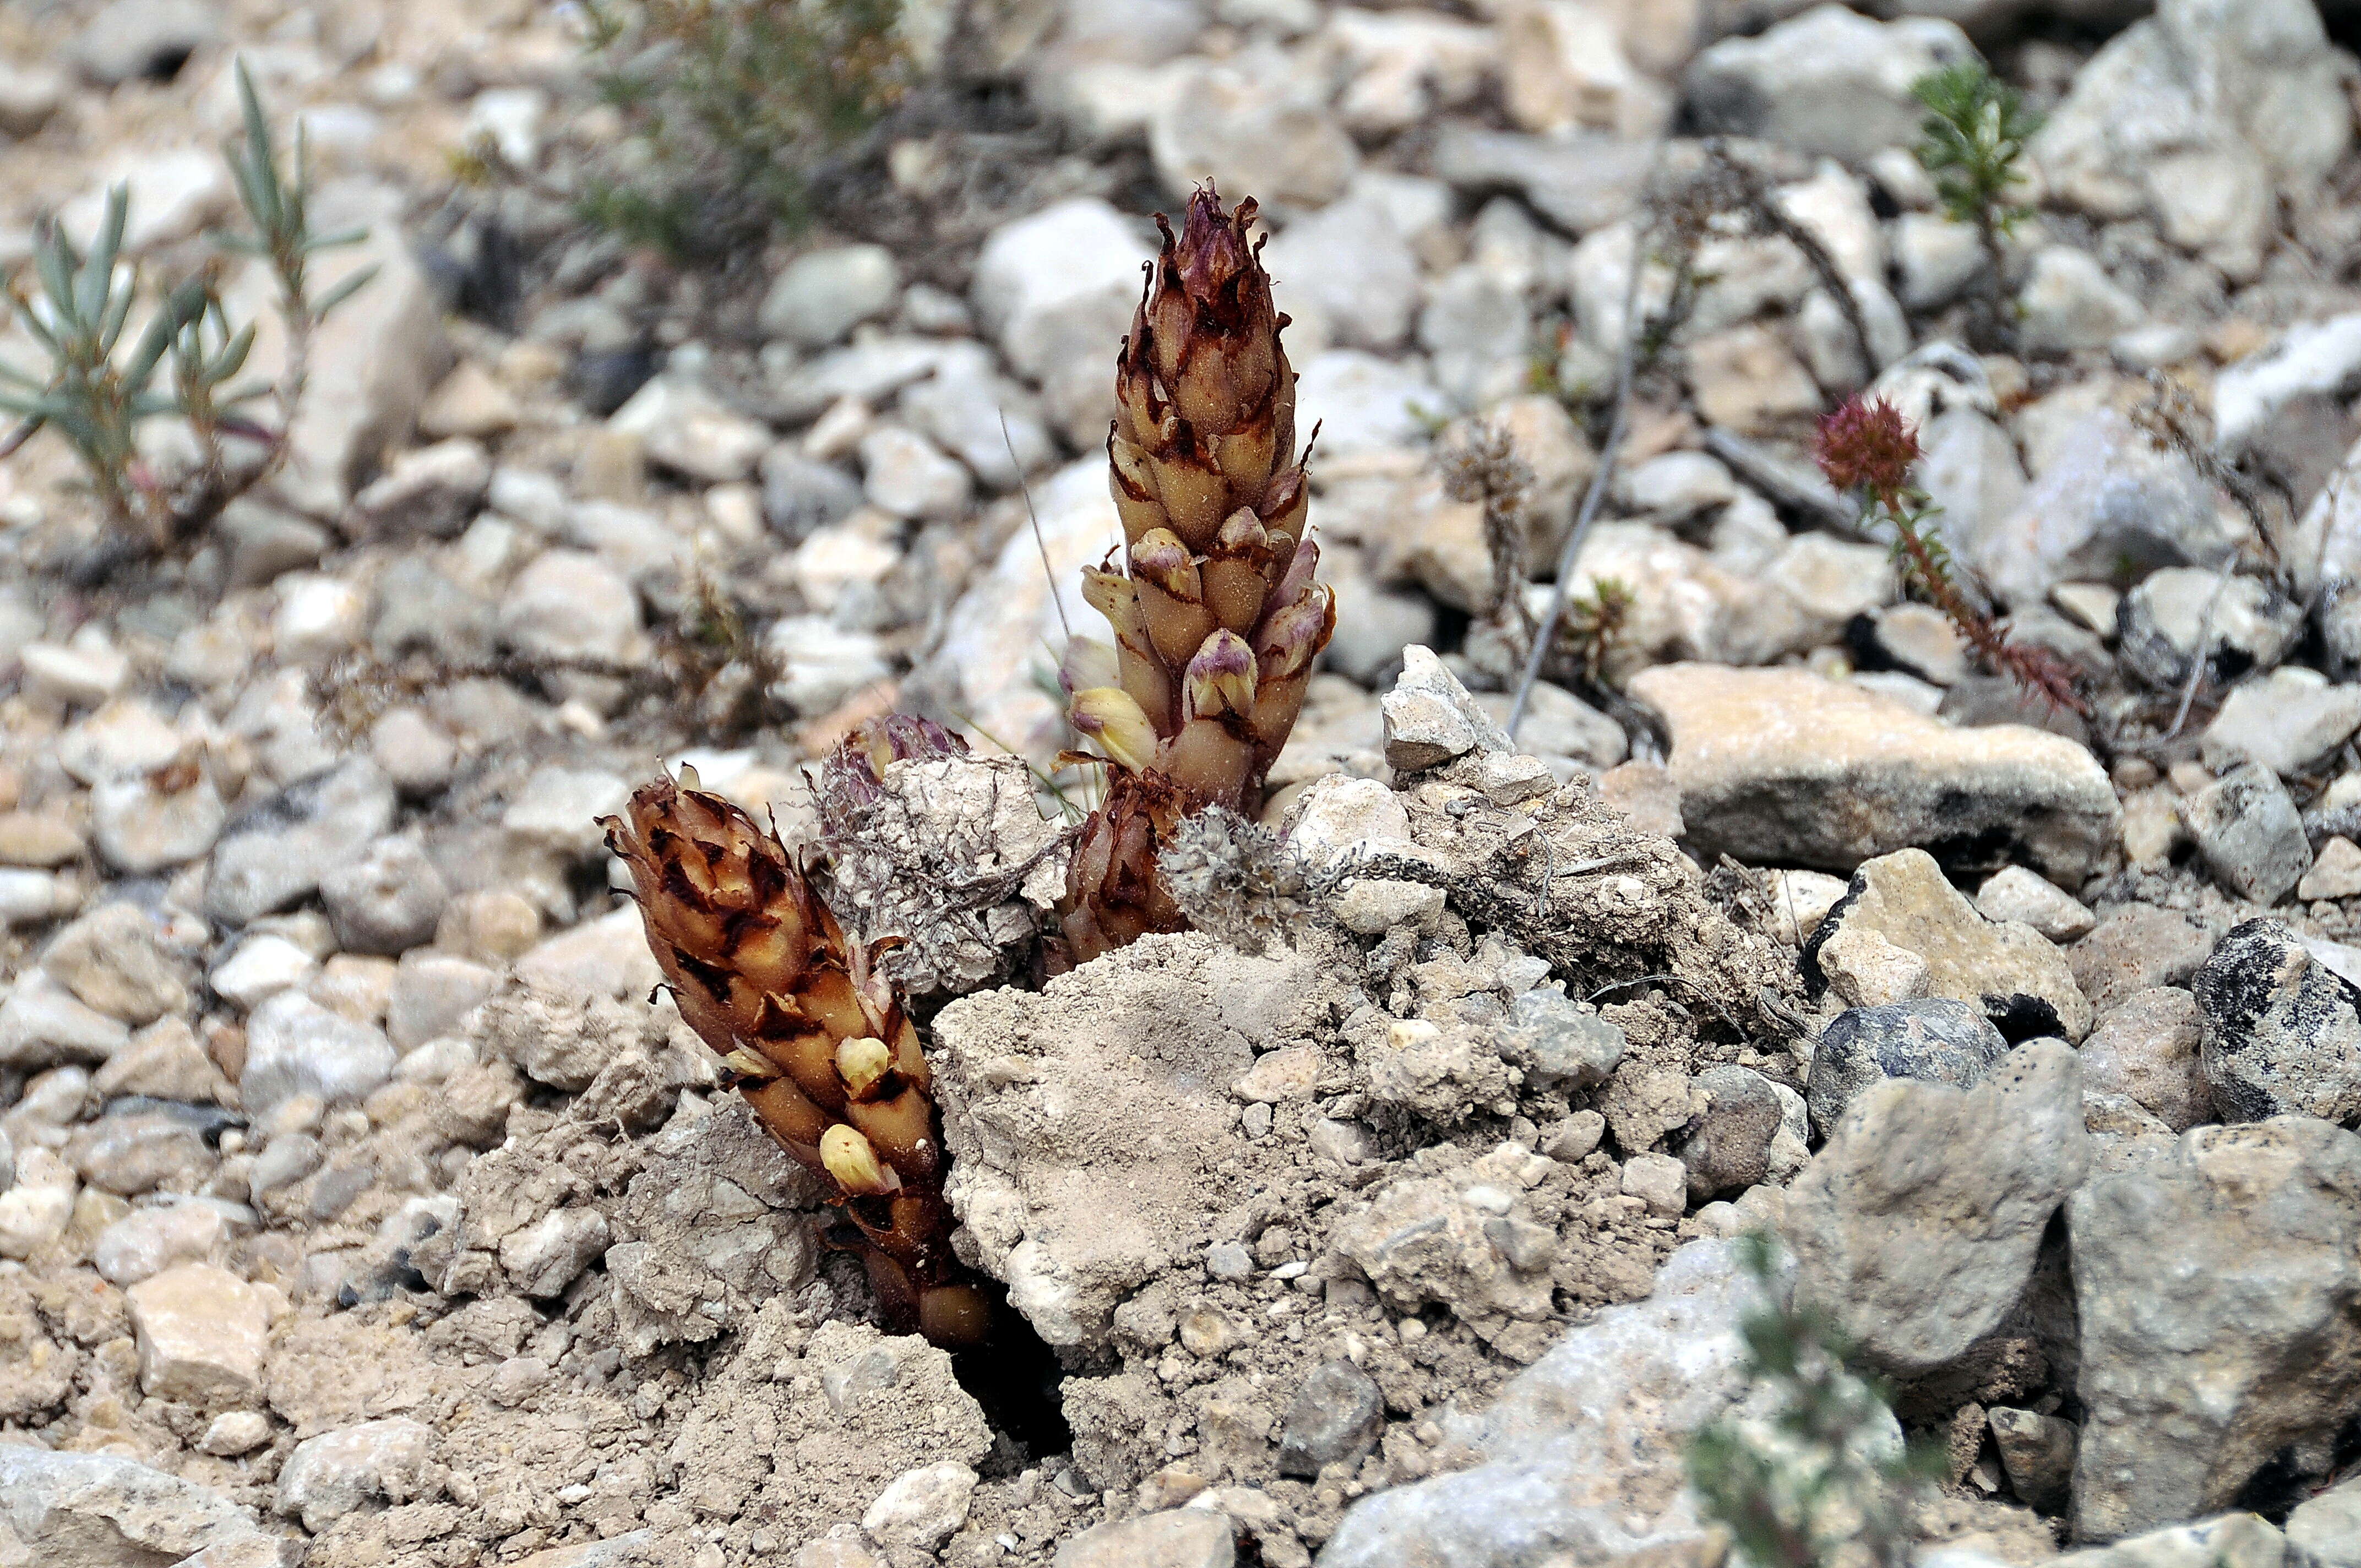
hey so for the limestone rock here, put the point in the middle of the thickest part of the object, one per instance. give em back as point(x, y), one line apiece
point(1784, 766)
point(2006, 967)
point(2219, 1291)
point(200, 1331)
point(1917, 1224)
point(2282, 1030)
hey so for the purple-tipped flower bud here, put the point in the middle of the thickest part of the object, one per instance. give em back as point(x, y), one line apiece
point(1220, 679)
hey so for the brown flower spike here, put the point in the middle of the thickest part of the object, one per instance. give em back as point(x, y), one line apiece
point(816, 1045)
point(1217, 618)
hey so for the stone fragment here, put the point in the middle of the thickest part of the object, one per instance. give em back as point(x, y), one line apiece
point(2286, 722)
point(1587, 1443)
point(2147, 1047)
point(2329, 1526)
point(2218, 1288)
point(2248, 831)
point(1336, 1418)
point(823, 294)
point(2068, 302)
point(1830, 81)
point(294, 1046)
point(1431, 718)
point(683, 427)
point(2335, 872)
point(387, 901)
point(200, 1331)
point(146, 1242)
point(1176, 1538)
point(1659, 1181)
point(1917, 1224)
point(2137, 946)
point(2037, 1453)
point(1245, 123)
point(921, 1508)
point(2005, 967)
point(2283, 1031)
point(110, 960)
point(429, 493)
point(2014, 894)
point(337, 1473)
point(1555, 1043)
point(1939, 1039)
point(1730, 1147)
point(2239, 623)
point(1760, 755)
point(279, 853)
point(546, 1256)
point(104, 1510)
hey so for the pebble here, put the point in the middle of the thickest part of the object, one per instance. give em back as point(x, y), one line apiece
point(908, 475)
point(163, 1062)
point(471, 403)
point(1658, 1181)
point(2014, 893)
point(1937, 1038)
point(42, 1024)
point(2147, 1049)
point(148, 1241)
point(822, 295)
point(419, 755)
point(1830, 81)
point(233, 1432)
point(2335, 872)
point(1729, 1148)
point(1432, 720)
point(2068, 302)
point(2288, 722)
point(37, 839)
point(571, 604)
point(2282, 1030)
point(296, 1047)
point(2133, 947)
point(201, 1333)
point(2249, 833)
point(80, 675)
point(921, 1508)
point(34, 898)
point(387, 901)
point(683, 427)
point(802, 494)
point(2037, 1451)
point(316, 825)
point(1336, 1418)
point(1555, 1043)
point(429, 493)
point(2241, 622)
point(1177, 1538)
point(432, 992)
point(338, 1472)
point(142, 827)
point(1355, 269)
point(34, 1210)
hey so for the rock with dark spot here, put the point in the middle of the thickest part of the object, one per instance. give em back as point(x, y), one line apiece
point(1728, 1148)
point(1336, 1418)
point(2282, 1034)
point(2248, 832)
point(1938, 1038)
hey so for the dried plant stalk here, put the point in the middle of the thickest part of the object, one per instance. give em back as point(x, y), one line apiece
point(1216, 615)
point(813, 1040)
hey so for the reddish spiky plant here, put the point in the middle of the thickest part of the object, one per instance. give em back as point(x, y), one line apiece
point(1870, 447)
point(816, 1045)
point(1217, 618)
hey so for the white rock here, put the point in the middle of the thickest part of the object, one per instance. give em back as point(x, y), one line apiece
point(2012, 892)
point(142, 828)
point(921, 1508)
point(824, 294)
point(233, 1432)
point(1074, 261)
point(294, 1046)
point(1566, 71)
point(2070, 302)
point(509, 118)
point(1362, 403)
point(2323, 356)
point(318, 618)
point(146, 1242)
point(200, 1331)
point(683, 427)
point(82, 674)
point(824, 663)
point(908, 475)
point(1338, 817)
point(1252, 124)
point(570, 604)
point(175, 192)
point(1828, 82)
point(34, 1210)
point(42, 1022)
point(1658, 1181)
point(261, 968)
point(337, 1473)
point(1349, 263)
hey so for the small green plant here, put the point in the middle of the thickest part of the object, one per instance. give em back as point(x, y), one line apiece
point(728, 107)
point(1815, 1476)
point(1971, 141)
point(185, 361)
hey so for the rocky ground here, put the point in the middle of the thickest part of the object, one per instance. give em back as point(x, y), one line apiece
point(358, 1206)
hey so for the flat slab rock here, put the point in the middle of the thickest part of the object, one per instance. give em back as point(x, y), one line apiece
point(99, 1510)
point(1784, 767)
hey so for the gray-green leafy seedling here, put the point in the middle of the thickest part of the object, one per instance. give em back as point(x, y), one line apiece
point(185, 361)
point(1973, 141)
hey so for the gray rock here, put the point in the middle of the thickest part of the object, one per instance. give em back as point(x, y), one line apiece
point(2196, 117)
point(2218, 1285)
point(432, 991)
point(142, 827)
point(683, 427)
point(2014, 893)
point(1831, 82)
point(2111, 502)
point(110, 960)
point(2249, 833)
point(421, 611)
point(1054, 287)
point(1177, 1538)
point(2329, 1526)
point(2232, 1541)
point(2068, 302)
point(1940, 1040)
point(101, 1510)
point(2288, 723)
point(1759, 754)
point(2037, 1453)
point(1335, 1419)
point(1349, 263)
point(569, 604)
point(1580, 181)
point(1476, 332)
point(2241, 623)
point(1562, 729)
point(277, 854)
point(977, 415)
point(144, 38)
point(1556, 1043)
point(337, 1473)
point(42, 1024)
point(387, 901)
point(1432, 720)
point(1582, 1453)
point(141, 1145)
point(1917, 1224)
point(2147, 1049)
point(2136, 947)
point(2282, 1032)
point(2312, 359)
point(294, 1046)
point(824, 294)
point(801, 494)
point(549, 1255)
point(1373, 626)
point(1729, 1147)
point(431, 492)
